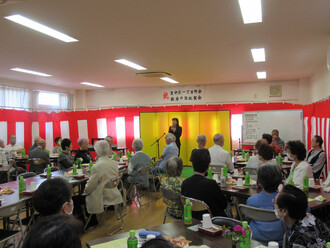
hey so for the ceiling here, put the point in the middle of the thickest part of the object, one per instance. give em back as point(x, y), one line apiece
point(198, 42)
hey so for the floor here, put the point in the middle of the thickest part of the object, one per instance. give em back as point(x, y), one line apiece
point(137, 217)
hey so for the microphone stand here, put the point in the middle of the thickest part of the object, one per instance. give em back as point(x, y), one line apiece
point(157, 141)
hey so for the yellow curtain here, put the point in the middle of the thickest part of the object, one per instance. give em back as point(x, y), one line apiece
point(154, 125)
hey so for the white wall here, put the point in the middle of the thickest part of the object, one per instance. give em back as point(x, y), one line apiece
point(320, 84)
point(294, 91)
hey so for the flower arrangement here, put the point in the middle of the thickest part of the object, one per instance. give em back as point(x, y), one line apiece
point(234, 234)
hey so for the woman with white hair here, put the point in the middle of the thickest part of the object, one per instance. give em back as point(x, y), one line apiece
point(138, 161)
point(97, 196)
point(170, 150)
point(83, 153)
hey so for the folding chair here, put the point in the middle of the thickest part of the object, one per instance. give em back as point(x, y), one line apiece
point(26, 175)
point(37, 165)
point(8, 233)
point(122, 189)
point(140, 187)
point(170, 195)
point(225, 221)
point(157, 176)
point(52, 169)
point(113, 183)
point(216, 168)
point(197, 205)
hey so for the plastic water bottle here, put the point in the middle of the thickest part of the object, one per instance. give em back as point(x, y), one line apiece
point(247, 179)
point(129, 155)
point(305, 183)
point(132, 241)
point(243, 154)
point(49, 172)
point(114, 156)
point(59, 151)
point(328, 244)
point(231, 154)
point(74, 170)
point(21, 185)
point(23, 153)
point(225, 171)
point(209, 174)
point(187, 213)
point(291, 181)
point(245, 241)
point(90, 166)
point(247, 157)
point(279, 160)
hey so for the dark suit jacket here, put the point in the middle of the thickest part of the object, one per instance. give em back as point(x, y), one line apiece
point(206, 190)
point(177, 134)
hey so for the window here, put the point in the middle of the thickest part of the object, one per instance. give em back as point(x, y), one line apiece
point(236, 130)
point(48, 98)
point(16, 98)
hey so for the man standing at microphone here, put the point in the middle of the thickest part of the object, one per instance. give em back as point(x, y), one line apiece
point(177, 131)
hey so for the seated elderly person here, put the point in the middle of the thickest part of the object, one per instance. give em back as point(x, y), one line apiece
point(109, 139)
point(269, 177)
point(53, 196)
point(265, 154)
point(316, 156)
point(65, 159)
point(277, 141)
point(39, 153)
point(97, 195)
point(82, 153)
point(56, 148)
point(254, 160)
point(299, 168)
point(201, 141)
point(53, 232)
point(220, 156)
point(173, 181)
point(35, 144)
point(138, 161)
point(170, 150)
point(202, 188)
point(12, 147)
point(3, 157)
point(305, 229)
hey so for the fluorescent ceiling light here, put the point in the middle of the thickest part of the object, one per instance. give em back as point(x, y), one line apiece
point(91, 84)
point(130, 64)
point(31, 72)
point(251, 11)
point(261, 74)
point(40, 28)
point(170, 80)
point(258, 54)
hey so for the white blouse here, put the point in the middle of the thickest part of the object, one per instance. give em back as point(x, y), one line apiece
point(299, 172)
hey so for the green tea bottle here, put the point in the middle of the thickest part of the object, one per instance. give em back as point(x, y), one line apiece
point(90, 166)
point(247, 179)
point(247, 157)
point(245, 241)
point(49, 172)
point(74, 170)
point(187, 213)
point(132, 241)
point(279, 160)
point(21, 185)
point(225, 171)
point(243, 154)
point(23, 153)
point(305, 183)
point(209, 173)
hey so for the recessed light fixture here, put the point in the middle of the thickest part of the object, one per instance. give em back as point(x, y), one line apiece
point(40, 28)
point(258, 54)
point(31, 72)
point(170, 80)
point(130, 64)
point(92, 84)
point(251, 11)
point(261, 74)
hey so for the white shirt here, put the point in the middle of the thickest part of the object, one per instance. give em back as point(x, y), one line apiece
point(11, 147)
point(299, 172)
point(220, 156)
point(3, 157)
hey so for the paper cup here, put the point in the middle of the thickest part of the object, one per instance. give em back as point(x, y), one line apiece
point(235, 172)
point(311, 182)
point(207, 223)
point(33, 186)
point(273, 244)
point(240, 182)
point(286, 159)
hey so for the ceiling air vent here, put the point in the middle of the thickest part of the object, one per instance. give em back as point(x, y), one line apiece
point(154, 74)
